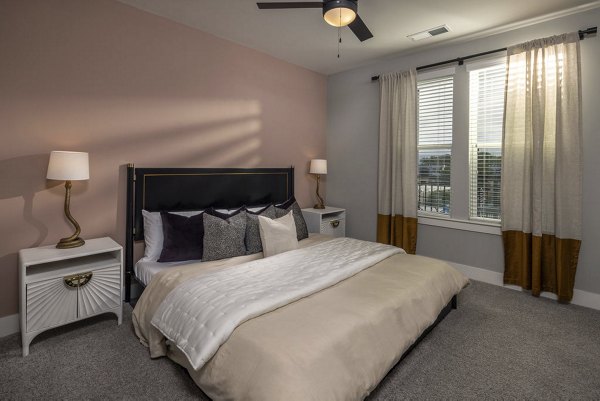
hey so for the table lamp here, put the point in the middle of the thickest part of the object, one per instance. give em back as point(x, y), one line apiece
point(69, 166)
point(318, 167)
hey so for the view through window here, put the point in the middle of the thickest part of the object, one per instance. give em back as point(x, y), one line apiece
point(435, 108)
point(486, 113)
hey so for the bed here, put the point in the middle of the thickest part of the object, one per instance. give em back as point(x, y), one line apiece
point(335, 343)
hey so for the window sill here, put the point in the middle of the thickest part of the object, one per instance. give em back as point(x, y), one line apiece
point(464, 225)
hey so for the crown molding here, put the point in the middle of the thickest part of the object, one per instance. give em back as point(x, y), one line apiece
point(483, 34)
point(527, 22)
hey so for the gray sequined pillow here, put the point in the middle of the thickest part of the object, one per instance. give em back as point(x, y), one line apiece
point(253, 242)
point(224, 238)
point(292, 205)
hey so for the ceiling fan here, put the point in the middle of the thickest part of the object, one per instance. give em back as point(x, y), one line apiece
point(337, 13)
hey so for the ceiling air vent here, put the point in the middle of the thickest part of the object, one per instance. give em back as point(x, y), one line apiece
point(429, 33)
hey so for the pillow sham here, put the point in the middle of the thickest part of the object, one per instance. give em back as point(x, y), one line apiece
point(258, 208)
point(278, 235)
point(153, 235)
point(224, 238)
point(153, 232)
point(253, 241)
point(224, 213)
point(182, 237)
point(291, 205)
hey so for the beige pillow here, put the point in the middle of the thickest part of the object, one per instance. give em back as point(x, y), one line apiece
point(277, 235)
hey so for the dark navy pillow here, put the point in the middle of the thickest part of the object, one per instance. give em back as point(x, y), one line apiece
point(183, 237)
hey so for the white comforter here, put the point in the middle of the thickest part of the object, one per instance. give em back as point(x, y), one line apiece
point(200, 314)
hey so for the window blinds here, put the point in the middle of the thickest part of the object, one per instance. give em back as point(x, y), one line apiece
point(486, 114)
point(435, 144)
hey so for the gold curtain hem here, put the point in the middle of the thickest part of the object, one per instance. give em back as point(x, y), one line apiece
point(541, 264)
point(398, 230)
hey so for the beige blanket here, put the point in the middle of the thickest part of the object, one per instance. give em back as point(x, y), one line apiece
point(336, 344)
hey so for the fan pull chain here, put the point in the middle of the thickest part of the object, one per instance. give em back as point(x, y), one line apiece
point(340, 33)
point(339, 40)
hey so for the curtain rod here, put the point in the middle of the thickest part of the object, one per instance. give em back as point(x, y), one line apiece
point(460, 60)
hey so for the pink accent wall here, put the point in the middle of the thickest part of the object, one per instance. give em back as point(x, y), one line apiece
point(130, 87)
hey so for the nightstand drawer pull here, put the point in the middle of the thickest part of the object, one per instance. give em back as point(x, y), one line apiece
point(78, 280)
point(334, 223)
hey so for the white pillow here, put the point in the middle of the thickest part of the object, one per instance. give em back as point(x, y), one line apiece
point(153, 233)
point(277, 235)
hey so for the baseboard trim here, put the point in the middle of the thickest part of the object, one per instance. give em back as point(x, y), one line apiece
point(9, 325)
point(580, 297)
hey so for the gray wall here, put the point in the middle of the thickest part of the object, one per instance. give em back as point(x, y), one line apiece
point(353, 123)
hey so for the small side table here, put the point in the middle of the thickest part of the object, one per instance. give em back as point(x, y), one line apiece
point(60, 286)
point(330, 221)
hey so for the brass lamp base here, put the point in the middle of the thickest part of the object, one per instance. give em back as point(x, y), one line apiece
point(70, 243)
point(321, 204)
point(74, 240)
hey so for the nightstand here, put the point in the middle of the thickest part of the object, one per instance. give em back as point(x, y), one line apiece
point(60, 286)
point(330, 221)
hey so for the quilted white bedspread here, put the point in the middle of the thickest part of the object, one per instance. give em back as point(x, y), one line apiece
point(199, 315)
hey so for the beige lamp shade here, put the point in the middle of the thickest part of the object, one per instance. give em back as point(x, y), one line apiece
point(318, 166)
point(68, 166)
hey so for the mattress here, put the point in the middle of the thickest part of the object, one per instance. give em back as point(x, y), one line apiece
point(336, 344)
point(146, 269)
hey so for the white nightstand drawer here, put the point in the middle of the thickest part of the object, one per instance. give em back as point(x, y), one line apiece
point(50, 303)
point(101, 293)
point(335, 227)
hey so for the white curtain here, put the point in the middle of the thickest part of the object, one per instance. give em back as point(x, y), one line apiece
point(542, 165)
point(397, 191)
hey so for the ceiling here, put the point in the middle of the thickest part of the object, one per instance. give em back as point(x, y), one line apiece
point(302, 37)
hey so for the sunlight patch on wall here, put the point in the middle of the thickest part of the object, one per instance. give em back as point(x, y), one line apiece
point(135, 119)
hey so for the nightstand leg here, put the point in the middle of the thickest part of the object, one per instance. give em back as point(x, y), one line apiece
point(25, 345)
point(119, 313)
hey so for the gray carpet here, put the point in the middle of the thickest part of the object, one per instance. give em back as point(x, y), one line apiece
point(499, 344)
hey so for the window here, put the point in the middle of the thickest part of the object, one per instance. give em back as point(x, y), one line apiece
point(486, 113)
point(459, 127)
point(434, 144)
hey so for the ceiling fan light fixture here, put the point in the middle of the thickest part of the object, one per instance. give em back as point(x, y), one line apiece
point(339, 13)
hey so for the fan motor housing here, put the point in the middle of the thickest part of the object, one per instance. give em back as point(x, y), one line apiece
point(331, 4)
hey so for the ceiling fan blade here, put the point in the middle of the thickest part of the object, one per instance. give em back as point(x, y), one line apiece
point(360, 29)
point(297, 4)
